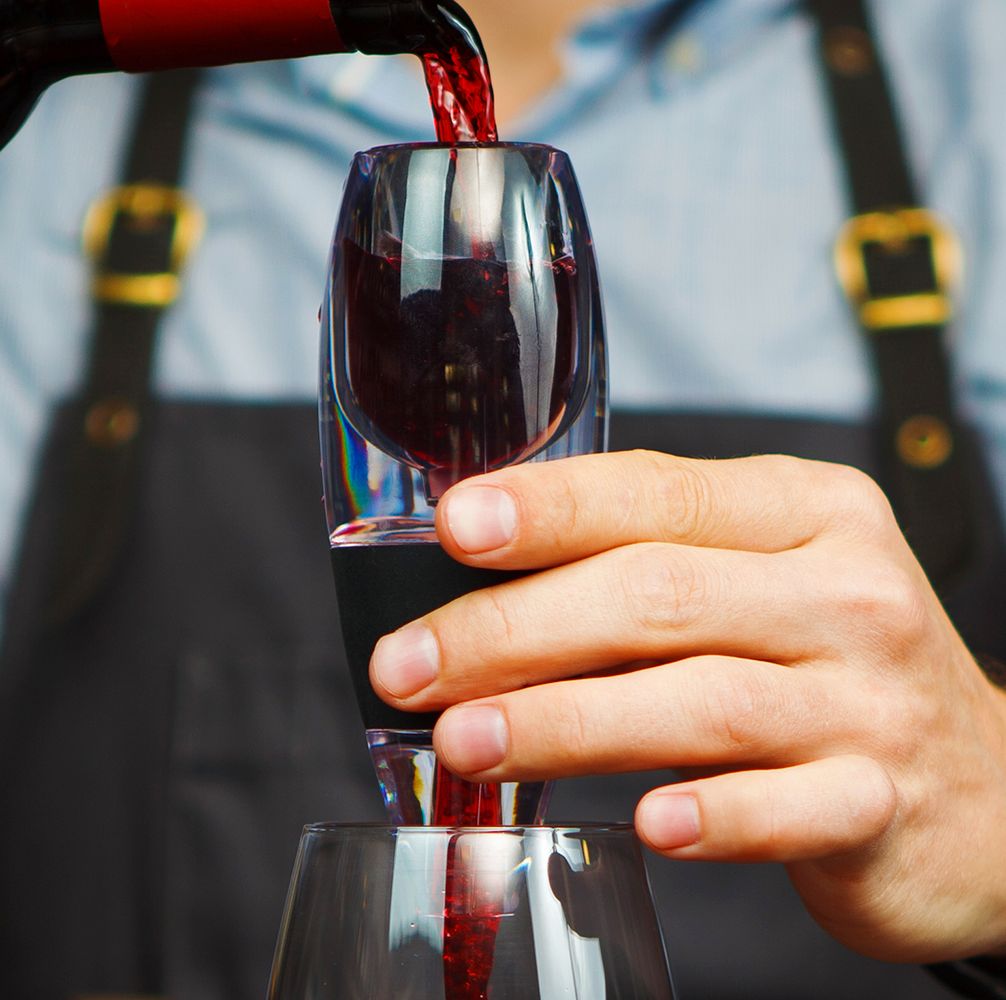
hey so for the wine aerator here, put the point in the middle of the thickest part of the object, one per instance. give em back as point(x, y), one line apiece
point(461, 333)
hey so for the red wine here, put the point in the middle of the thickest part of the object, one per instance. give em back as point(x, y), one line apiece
point(42, 41)
point(472, 904)
point(461, 91)
point(458, 379)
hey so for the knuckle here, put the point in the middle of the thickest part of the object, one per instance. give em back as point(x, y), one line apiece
point(902, 721)
point(786, 469)
point(497, 620)
point(776, 819)
point(789, 473)
point(872, 797)
point(569, 722)
point(644, 465)
point(685, 494)
point(660, 589)
point(564, 506)
point(856, 502)
point(888, 606)
point(881, 717)
point(736, 712)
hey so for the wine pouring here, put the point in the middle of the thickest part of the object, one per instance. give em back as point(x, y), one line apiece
point(43, 41)
point(462, 333)
point(459, 285)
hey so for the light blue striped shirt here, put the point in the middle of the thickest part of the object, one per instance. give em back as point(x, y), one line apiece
point(708, 171)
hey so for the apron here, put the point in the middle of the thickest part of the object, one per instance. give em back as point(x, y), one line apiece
point(162, 746)
point(162, 751)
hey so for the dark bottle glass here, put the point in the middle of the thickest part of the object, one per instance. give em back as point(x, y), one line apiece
point(42, 41)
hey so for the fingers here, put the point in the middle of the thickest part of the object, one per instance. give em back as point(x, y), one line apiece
point(543, 514)
point(813, 810)
point(708, 711)
point(641, 602)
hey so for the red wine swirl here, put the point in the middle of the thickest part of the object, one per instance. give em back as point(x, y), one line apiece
point(472, 909)
point(455, 379)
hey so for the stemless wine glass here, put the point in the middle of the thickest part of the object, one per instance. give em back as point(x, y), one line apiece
point(461, 333)
point(375, 913)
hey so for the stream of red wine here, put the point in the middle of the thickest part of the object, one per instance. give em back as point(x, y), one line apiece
point(461, 91)
point(461, 96)
point(471, 908)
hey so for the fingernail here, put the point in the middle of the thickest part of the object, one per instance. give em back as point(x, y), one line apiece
point(669, 821)
point(406, 661)
point(481, 518)
point(473, 738)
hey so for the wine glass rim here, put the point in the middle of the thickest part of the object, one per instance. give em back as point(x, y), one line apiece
point(395, 147)
point(529, 829)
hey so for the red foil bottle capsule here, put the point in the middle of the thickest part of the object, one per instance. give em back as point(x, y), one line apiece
point(146, 35)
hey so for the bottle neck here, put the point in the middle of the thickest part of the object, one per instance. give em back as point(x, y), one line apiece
point(53, 39)
point(384, 27)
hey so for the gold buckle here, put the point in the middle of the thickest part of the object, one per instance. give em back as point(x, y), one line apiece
point(924, 441)
point(146, 205)
point(893, 230)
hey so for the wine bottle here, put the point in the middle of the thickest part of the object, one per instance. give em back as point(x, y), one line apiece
point(42, 41)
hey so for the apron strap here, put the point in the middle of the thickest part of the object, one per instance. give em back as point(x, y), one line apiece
point(137, 237)
point(897, 264)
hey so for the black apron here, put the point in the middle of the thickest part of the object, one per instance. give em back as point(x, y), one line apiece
point(162, 752)
point(162, 746)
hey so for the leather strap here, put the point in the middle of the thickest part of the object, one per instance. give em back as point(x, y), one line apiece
point(136, 236)
point(895, 261)
point(927, 475)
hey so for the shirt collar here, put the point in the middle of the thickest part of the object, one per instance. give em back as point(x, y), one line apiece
point(387, 94)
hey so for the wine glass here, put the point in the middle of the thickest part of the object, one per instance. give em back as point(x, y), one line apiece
point(469, 914)
point(461, 333)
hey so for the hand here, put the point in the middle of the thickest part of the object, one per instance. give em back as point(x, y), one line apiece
point(759, 622)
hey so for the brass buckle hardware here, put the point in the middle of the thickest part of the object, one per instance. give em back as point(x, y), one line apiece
point(146, 205)
point(893, 231)
point(924, 442)
point(849, 50)
point(111, 422)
